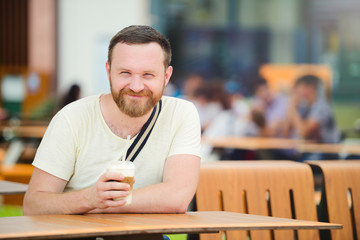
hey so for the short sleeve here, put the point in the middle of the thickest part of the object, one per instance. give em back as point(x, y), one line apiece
point(187, 138)
point(57, 150)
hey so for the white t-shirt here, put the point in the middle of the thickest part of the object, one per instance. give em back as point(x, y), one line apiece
point(78, 145)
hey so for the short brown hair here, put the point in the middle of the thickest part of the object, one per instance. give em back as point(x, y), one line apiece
point(141, 34)
point(309, 80)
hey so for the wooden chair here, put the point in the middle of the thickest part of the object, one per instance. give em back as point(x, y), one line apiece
point(342, 195)
point(271, 188)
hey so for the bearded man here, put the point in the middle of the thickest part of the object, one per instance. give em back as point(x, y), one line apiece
point(89, 134)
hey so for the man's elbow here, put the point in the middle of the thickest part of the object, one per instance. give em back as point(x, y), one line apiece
point(177, 209)
point(180, 206)
point(27, 211)
point(28, 207)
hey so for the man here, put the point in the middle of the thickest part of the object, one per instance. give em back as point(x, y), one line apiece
point(309, 114)
point(89, 134)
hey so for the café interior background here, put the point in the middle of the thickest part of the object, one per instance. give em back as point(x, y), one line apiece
point(53, 44)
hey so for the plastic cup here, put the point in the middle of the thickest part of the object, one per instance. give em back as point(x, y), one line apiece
point(127, 168)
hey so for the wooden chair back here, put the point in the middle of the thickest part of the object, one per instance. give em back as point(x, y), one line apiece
point(271, 188)
point(342, 192)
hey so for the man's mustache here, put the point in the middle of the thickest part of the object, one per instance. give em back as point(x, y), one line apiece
point(143, 93)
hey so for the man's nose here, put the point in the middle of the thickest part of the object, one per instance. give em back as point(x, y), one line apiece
point(136, 84)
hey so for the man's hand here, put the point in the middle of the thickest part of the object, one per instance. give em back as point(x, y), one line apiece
point(106, 189)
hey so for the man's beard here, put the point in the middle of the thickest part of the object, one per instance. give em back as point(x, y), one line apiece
point(132, 107)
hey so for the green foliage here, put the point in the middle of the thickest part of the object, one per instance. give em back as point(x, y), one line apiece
point(10, 211)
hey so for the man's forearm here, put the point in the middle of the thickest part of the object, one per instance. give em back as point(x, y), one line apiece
point(157, 198)
point(46, 194)
point(38, 203)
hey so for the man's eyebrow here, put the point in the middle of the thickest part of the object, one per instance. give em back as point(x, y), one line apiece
point(149, 71)
point(121, 69)
point(118, 69)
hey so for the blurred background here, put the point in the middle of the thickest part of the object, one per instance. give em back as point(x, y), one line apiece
point(47, 46)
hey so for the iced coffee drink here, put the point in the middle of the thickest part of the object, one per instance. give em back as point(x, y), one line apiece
point(127, 168)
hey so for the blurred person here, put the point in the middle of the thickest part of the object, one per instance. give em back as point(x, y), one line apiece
point(209, 100)
point(48, 108)
point(190, 85)
point(71, 95)
point(310, 115)
point(231, 121)
point(4, 115)
point(87, 135)
point(268, 111)
point(238, 103)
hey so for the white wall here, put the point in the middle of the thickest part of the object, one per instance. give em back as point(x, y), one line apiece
point(85, 29)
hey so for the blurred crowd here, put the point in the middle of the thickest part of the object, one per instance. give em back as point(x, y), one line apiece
point(303, 112)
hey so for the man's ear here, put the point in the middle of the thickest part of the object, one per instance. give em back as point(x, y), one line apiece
point(107, 66)
point(168, 74)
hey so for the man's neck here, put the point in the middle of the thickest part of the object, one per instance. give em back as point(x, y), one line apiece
point(119, 123)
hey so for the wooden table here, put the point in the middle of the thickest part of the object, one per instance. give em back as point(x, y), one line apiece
point(259, 143)
point(7, 187)
point(18, 135)
point(252, 143)
point(330, 148)
point(24, 131)
point(139, 225)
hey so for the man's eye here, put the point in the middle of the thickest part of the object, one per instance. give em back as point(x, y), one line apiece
point(124, 73)
point(148, 75)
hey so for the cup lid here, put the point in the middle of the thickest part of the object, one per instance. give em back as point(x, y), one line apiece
point(122, 164)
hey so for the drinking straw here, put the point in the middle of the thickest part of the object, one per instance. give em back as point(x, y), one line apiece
point(127, 145)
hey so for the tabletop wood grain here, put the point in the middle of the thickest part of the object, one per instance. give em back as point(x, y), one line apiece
point(92, 225)
point(261, 143)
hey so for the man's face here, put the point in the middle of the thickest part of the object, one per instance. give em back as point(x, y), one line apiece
point(137, 77)
point(263, 92)
point(305, 93)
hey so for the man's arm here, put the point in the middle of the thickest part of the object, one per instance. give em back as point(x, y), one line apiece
point(303, 127)
point(173, 195)
point(181, 173)
point(45, 195)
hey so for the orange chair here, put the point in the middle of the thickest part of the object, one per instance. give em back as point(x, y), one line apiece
point(281, 78)
point(16, 173)
point(271, 188)
point(342, 196)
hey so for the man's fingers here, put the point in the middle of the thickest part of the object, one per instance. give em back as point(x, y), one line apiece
point(109, 176)
point(115, 185)
point(115, 194)
point(117, 203)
